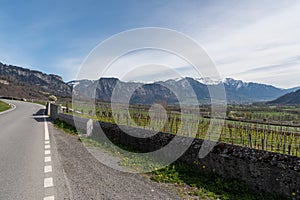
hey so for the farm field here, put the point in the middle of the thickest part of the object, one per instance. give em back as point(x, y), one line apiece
point(269, 128)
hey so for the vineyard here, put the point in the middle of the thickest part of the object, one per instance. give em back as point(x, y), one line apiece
point(263, 128)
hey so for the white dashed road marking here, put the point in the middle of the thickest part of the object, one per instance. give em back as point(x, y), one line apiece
point(47, 159)
point(48, 182)
point(47, 169)
point(49, 198)
point(46, 130)
point(47, 152)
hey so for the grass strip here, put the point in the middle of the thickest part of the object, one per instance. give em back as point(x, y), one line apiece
point(4, 106)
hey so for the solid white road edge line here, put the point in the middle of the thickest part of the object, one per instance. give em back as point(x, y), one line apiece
point(11, 109)
point(49, 198)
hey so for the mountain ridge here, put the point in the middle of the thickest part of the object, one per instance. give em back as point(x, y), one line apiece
point(32, 84)
point(237, 91)
point(25, 83)
point(291, 98)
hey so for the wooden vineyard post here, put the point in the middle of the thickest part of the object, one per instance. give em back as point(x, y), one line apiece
point(152, 121)
point(139, 118)
point(276, 138)
point(223, 131)
point(172, 124)
point(230, 133)
point(290, 149)
point(235, 132)
point(250, 140)
point(241, 134)
point(208, 134)
point(279, 140)
point(248, 133)
point(67, 107)
point(202, 132)
point(259, 137)
point(280, 135)
point(243, 129)
point(296, 145)
point(284, 144)
point(272, 139)
point(188, 130)
point(197, 131)
point(166, 125)
point(270, 134)
point(264, 140)
point(256, 133)
point(176, 125)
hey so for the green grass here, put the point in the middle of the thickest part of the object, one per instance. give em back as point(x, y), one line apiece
point(138, 162)
point(4, 106)
point(205, 185)
point(66, 127)
point(190, 181)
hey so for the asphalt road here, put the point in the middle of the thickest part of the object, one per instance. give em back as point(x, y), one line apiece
point(27, 142)
point(22, 154)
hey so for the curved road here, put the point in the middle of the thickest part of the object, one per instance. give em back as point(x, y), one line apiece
point(37, 166)
point(22, 152)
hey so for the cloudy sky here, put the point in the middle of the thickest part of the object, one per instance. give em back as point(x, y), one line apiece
point(249, 40)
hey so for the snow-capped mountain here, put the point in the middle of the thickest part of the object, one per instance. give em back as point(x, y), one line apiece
point(208, 81)
point(237, 91)
point(25, 83)
point(237, 84)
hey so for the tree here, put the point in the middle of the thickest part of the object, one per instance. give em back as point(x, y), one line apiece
point(52, 98)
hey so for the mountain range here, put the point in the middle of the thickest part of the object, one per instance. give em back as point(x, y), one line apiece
point(172, 91)
point(24, 83)
point(30, 84)
point(292, 98)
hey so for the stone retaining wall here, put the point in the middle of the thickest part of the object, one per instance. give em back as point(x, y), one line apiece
point(263, 171)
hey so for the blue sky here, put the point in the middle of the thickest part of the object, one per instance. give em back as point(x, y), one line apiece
point(249, 40)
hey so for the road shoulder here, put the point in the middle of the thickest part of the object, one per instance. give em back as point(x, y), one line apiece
point(87, 178)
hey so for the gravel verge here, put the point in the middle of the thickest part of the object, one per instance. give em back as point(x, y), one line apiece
point(88, 178)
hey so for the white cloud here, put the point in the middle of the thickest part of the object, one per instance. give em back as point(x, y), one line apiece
point(248, 40)
point(269, 41)
point(243, 35)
